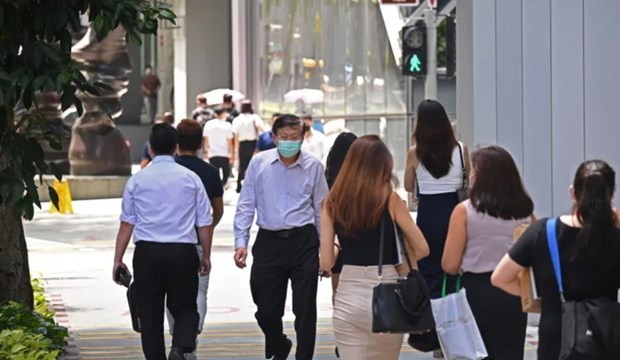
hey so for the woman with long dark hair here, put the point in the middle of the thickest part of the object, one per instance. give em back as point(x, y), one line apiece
point(589, 246)
point(361, 200)
point(334, 162)
point(246, 127)
point(480, 233)
point(434, 167)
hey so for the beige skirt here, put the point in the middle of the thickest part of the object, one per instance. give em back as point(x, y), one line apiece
point(353, 315)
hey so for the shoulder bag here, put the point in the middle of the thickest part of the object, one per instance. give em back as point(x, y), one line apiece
point(591, 327)
point(403, 306)
point(463, 192)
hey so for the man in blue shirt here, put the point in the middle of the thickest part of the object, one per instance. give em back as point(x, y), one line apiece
point(190, 141)
point(286, 188)
point(265, 139)
point(162, 207)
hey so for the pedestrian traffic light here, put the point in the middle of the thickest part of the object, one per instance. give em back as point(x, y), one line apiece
point(414, 49)
point(450, 46)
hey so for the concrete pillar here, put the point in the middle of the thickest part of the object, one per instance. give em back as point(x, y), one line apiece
point(202, 51)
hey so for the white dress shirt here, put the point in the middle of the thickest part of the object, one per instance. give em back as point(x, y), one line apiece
point(165, 202)
point(314, 144)
point(283, 197)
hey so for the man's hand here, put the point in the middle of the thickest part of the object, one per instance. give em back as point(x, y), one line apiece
point(241, 255)
point(205, 266)
point(118, 265)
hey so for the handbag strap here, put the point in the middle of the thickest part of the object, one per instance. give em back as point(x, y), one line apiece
point(552, 242)
point(401, 241)
point(444, 288)
point(381, 241)
point(464, 175)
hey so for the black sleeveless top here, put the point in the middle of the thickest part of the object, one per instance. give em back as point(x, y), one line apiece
point(362, 249)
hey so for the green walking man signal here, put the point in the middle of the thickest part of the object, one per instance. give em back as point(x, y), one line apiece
point(414, 49)
point(415, 65)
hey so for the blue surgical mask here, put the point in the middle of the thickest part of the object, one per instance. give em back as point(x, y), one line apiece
point(289, 148)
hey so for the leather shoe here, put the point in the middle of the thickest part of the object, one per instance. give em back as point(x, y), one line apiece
point(284, 355)
point(176, 354)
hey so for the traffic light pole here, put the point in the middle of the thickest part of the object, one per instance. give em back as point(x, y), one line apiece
point(430, 85)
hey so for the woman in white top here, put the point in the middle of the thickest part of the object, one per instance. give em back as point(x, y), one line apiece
point(480, 234)
point(434, 163)
point(247, 127)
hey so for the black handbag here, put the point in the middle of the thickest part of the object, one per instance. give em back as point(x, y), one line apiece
point(591, 327)
point(463, 192)
point(403, 306)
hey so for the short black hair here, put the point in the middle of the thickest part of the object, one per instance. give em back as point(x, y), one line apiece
point(306, 115)
point(219, 110)
point(288, 120)
point(276, 115)
point(163, 139)
point(190, 135)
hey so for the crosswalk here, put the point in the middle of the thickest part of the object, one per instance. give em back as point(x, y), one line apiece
point(218, 342)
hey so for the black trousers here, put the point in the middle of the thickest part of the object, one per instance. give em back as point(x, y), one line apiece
point(221, 162)
point(246, 151)
point(278, 258)
point(166, 271)
point(499, 317)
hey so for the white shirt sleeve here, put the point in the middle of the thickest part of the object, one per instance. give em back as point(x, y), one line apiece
point(128, 212)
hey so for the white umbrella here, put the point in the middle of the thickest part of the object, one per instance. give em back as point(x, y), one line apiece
point(308, 96)
point(216, 96)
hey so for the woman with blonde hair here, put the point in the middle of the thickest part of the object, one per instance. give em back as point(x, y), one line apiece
point(362, 204)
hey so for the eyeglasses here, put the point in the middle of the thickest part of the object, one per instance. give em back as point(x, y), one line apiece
point(292, 138)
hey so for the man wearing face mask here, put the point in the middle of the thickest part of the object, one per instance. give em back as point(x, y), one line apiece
point(285, 187)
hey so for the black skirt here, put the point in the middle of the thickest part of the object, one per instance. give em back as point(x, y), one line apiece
point(499, 317)
point(433, 218)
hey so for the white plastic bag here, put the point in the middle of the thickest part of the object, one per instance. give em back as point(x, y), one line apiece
point(457, 330)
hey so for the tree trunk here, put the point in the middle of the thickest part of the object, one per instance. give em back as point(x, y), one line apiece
point(14, 268)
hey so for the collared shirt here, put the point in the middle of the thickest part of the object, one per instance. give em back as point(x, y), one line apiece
point(314, 144)
point(283, 197)
point(165, 202)
point(246, 126)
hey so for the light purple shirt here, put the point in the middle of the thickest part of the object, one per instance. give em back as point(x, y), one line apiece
point(165, 202)
point(283, 197)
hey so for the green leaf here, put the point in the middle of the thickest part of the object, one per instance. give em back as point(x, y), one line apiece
point(56, 170)
point(39, 82)
point(103, 86)
point(78, 106)
point(36, 57)
point(3, 74)
point(28, 207)
point(53, 196)
point(65, 41)
point(60, 18)
point(27, 98)
point(91, 89)
point(68, 97)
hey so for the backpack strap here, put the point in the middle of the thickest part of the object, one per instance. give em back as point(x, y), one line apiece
point(552, 242)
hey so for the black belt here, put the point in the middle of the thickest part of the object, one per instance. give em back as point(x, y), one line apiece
point(285, 234)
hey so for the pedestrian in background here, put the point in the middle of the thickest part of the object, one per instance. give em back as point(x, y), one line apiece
point(362, 204)
point(150, 88)
point(218, 144)
point(246, 127)
point(202, 113)
point(168, 118)
point(334, 162)
point(285, 187)
point(265, 139)
point(229, 105)
point(480, 233)
point(589, 248)
point(165, 262)
point(190, 141)
point(314, 143)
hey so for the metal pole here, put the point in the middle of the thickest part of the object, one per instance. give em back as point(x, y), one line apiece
point(430, 86)
point(409, 121)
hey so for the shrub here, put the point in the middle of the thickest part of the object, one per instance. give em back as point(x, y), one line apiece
point(40, 302)
point(18, 317)
point(20, 345)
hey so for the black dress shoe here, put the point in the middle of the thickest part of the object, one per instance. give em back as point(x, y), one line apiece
point(284, 355)
point(176, 354)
